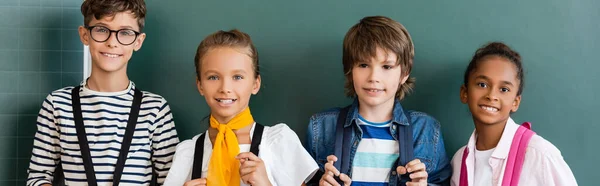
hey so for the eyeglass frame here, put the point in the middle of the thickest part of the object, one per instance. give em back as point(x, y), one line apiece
point(89, 28)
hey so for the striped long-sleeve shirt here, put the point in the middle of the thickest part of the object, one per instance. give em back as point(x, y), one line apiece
point(105, 118)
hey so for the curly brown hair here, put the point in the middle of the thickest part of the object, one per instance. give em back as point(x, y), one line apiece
point(102, 8)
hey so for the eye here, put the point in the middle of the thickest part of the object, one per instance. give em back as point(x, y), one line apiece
point(238, 77)
point(213, 78)
point(127, 32)
point(482, 85)
point(388, 67)
point(101, 29)
point(505, 89)
point(363, 65)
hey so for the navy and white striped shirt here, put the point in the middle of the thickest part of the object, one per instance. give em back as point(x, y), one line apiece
point(375, 155)
point(105, 116)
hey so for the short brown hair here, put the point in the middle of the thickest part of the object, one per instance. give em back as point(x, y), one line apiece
point(101, 8)
point(362, 40)
point(231, 38)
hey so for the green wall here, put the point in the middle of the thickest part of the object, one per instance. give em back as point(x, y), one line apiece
point(300, 56)
point(40, 52)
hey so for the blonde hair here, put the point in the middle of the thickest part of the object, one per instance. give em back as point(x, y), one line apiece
point(231, 38)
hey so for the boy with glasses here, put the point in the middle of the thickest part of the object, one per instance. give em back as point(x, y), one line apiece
point(105, 131)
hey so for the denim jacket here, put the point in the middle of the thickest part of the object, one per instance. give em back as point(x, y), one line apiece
point(427, 138)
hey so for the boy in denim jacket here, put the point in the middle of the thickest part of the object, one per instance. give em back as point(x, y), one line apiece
point(377, 58)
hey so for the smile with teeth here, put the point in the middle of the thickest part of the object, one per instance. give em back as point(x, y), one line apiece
point(226, 101)
point(488, 108)
point(110, 55)
point(373, 90)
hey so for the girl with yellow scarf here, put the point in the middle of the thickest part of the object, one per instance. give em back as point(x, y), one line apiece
point(236, 150)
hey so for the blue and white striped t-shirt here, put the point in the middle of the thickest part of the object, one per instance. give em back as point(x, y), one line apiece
point(105, 118)
point(376, 154)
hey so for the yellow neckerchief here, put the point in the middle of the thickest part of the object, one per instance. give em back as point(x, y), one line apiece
point(223, 168)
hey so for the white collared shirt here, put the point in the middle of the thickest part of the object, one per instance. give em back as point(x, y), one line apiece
point(543, 165)
point(286, 161)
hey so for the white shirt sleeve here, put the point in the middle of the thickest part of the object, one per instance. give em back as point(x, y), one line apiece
point(183, 161)
point(558, 172)
point(546, 165)
point(286, 159)
point(289, 162)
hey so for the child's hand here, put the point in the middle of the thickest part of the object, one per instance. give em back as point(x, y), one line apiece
point(418, 173)
point(196, 182)
point(252, 169)
point(330, 170)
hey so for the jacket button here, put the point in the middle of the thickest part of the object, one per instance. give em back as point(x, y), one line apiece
point(393, 127)
point(393, 173)
point(355, 143)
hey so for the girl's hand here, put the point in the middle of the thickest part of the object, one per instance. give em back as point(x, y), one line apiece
point(252, 170)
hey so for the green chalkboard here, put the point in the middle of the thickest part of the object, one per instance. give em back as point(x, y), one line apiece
point(40, 52)
point(300, 44)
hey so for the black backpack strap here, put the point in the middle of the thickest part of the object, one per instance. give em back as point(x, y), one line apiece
point(126, 143)
point(84, 145)
point(256, 138)
point(342, 135)
point(405, 142)
point(198, 155)
point(199, 149)
point(81, 137)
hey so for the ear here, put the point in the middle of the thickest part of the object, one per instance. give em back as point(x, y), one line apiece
point(256, 86)
point(199, 87)
point(516, 104)
point(463, 94)
point(139, 41)
point(84, 35)
point(403, 80)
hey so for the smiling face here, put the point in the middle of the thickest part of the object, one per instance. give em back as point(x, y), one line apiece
point(227, 80)
point(376, 81)
point(491, 91)
point(110, 55)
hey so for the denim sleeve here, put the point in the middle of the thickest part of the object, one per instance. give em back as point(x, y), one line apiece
point(309, 142)
point(310, 145)
point(442, 171)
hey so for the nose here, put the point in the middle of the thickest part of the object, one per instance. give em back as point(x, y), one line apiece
point(373, 75)
point(112, 41)
point(225, 86)
point(492, 95)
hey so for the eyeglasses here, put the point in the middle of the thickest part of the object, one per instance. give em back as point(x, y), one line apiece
point(102, 34)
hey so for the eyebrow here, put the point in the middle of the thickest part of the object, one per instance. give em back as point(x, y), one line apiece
point(210, 71)
point(487, 79)
point(482, 77)
point(238, 71)
point(507, 83)
point(382, 62)
point(389, 62)
point(106, 25)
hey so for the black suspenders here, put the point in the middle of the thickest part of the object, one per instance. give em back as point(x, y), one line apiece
point(83, 143)
point(199, 151)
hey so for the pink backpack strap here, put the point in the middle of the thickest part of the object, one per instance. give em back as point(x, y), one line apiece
point(464, 177)
point(516, 155)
